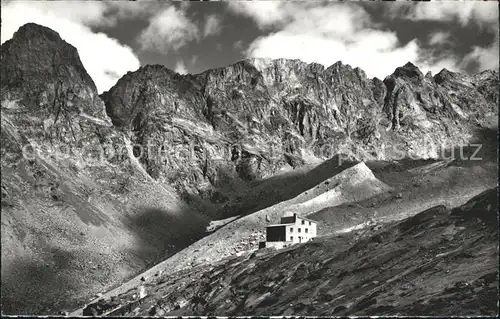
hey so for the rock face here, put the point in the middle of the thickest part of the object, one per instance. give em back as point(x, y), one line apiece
point(253, 118)
point(43, 71)
point(444, 110)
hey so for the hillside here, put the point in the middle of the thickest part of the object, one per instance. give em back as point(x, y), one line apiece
point(439, 262)
point(361, 199)
point(243, 234)
point(70, 218)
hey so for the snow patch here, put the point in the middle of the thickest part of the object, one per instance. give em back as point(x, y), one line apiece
point(350, 229)
point(458, 110)
point(96, 120)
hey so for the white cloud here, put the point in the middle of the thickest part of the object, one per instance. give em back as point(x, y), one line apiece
point(481, 13)
point(169, 29)
point(81, 12)
point(180, 68)
point(104, 58)
point(265, 13)
point(93, 13)
point(212, 26)
point(131, 9)
point(377, 59)
point(439, 38)
point(435, 66)
point(329, 32)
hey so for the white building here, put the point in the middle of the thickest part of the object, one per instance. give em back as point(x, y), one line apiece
point(290, 230)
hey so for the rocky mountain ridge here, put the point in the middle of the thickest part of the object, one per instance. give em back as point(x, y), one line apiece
point(255, 117)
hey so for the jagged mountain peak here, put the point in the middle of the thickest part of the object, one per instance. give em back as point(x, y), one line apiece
point(342, 69)
point(153, 67)
point(447, 75)
point(31, 29)
point(410, 65)
point(39, 67)
point(338, 64)
point(270, 61)
point(408, 71)
point(265, 63)
point(152, 70)
point(262, 64)
point(149, 91)
point(488, 73)
point(36, 49)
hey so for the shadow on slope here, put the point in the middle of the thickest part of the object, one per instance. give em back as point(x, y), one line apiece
point(161, 234)
point(483, 147)
point(243, 234)
point(32, 286)
point(285, 186)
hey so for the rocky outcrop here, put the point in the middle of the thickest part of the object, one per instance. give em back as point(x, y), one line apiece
point(435, 113)
point(42, 71)
point(486, 83)
point(474, 98)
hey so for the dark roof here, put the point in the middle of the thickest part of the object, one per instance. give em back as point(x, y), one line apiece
point(277, 225)
point(291, 223)
point(307, 219)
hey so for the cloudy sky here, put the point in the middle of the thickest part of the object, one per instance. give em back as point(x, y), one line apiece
point(190, 37)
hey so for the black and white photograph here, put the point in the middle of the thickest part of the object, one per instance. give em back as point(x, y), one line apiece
point(249, 158)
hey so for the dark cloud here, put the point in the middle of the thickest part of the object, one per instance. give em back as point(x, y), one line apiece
point(462, 39)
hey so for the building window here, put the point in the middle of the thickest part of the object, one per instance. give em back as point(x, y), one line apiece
point(309, 223)
point(291, 229)
point(291, 238)
point(299, 230)
point(306, 230)
point(303, 222)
